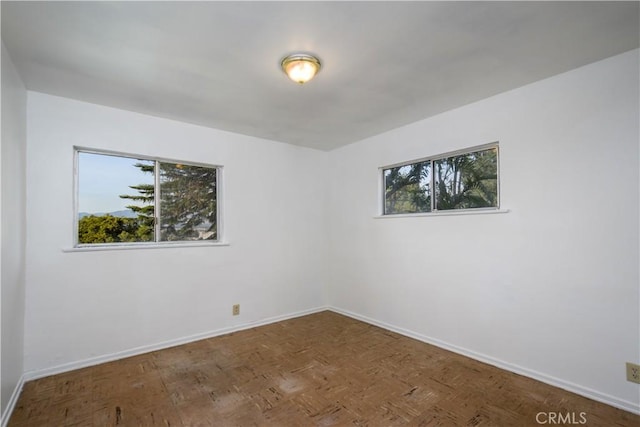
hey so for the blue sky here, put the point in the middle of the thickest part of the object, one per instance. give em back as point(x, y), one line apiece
point(102, 178)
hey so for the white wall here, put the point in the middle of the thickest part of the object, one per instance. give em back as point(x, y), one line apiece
point(86, 305)
point(549, 289)
point(12, 226)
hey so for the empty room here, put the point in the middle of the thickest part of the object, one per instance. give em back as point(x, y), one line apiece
point(320, 213)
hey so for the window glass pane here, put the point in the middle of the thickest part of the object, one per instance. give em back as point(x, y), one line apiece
point(407, 189)
point(188, 204)
point(115, 199)
point(467, 181)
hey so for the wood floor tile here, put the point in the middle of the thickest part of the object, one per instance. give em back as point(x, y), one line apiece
point(318, 370)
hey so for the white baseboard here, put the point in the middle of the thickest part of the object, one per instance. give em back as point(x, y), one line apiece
point(41, 373)
point(629, 406)
point(4, 419)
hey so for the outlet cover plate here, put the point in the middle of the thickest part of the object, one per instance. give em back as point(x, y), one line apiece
point(633, 372)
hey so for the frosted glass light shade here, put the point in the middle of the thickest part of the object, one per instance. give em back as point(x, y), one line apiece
point(300, 67)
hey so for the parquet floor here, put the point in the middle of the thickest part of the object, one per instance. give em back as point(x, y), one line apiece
point(318, 370)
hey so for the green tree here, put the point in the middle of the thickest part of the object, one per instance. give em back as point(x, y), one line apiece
point(467, 181)
point(107, 229)
point(407, 188)
point(146, 212)
point(188, 203)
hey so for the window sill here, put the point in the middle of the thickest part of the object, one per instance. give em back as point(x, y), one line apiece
point(446, 213)
point(116, 247)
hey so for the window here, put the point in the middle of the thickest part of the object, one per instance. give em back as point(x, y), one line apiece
point(125, 199)
point(462, 180)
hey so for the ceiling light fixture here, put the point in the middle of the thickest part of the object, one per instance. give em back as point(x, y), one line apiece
point(300, 67)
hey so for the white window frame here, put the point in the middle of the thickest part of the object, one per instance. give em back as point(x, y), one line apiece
point(435, 212)
point(77, 246)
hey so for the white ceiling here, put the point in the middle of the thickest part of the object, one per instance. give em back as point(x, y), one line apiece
point(385, 64)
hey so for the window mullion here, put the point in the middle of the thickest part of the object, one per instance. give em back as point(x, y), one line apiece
point(433, 186)
point(156, 202)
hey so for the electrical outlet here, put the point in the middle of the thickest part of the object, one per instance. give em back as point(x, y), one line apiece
point(236, 309)
point(633, 372)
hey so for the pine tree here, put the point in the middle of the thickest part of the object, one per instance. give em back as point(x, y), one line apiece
point(188, 202)
point(146, 213)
